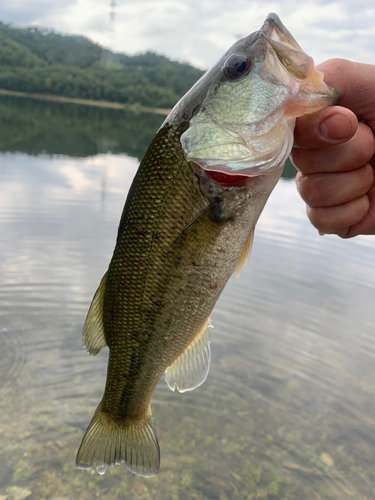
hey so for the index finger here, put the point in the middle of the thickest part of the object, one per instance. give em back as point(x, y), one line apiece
point(355, 153)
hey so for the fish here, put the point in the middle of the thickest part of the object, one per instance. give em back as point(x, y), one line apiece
point(186, 228)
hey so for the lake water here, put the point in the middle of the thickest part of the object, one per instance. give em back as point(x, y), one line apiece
point(288, 409)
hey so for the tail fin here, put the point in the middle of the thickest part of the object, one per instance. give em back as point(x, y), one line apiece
point(108, 443)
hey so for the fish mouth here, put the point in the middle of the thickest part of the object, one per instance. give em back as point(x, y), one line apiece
point(290, 54)
point(281, 85)
point(311, 93)
point(274, 29)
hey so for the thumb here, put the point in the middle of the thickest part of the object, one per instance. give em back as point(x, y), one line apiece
point(337, 124)
point(327, 127)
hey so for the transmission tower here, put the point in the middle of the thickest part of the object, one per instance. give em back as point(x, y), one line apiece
point(107, 58)
point(111, 28)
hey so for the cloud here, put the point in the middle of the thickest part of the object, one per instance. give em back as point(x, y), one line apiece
point(199, 31)
point(24, 12)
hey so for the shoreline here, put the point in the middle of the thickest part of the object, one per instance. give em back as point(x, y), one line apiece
point(87, 102)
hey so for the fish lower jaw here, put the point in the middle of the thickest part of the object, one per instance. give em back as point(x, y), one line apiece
point(311, 97)
point(233, 173)
point(249, 151)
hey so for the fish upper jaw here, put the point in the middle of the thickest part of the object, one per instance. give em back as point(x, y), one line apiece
point(308, 92)
point(303, 84)
point(312, 96)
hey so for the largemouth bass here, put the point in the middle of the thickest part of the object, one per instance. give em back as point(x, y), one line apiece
point(187, 226)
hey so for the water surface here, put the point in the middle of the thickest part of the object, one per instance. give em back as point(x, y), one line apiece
point(287, 411)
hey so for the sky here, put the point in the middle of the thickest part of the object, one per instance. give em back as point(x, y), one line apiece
point(200, 31)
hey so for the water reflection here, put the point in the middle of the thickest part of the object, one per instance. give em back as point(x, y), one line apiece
point(287, 411)
point(39, 127)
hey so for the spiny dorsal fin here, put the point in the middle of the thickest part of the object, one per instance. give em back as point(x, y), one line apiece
point(93, 331)
point(107, 443)
point(190, 370)
point(245, 255)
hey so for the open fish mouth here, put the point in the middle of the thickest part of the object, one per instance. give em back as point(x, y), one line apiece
point(310, 91)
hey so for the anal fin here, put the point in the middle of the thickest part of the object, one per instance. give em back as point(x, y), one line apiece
point(245, 255)
point(190, 369)
point(93, 330)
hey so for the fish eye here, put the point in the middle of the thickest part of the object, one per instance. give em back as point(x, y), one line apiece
point(237, 65)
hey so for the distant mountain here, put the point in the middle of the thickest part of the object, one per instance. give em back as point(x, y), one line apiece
point(39, 60)
point(15, 54)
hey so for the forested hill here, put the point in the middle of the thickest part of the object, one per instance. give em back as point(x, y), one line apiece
point(38, 60)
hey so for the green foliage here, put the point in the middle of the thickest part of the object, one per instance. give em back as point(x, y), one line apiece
point(55, 48)
point(41, 61)
point(186, 481)
point(22, 471)
point(14, 54)
point(289, 173)
point(122, 491)
point(35, 128)
point(159, 70)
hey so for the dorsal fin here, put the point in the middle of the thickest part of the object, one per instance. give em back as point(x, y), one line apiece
point(190, 370)
point(93, 330)
point(245, 255)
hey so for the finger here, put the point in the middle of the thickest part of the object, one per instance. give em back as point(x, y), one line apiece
point(348, 156)
point(329, 126)
point(328, 189)
point(367, 224)
point(354, 82)
point(330, 220)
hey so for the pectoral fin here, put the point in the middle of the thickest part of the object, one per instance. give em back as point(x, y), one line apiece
point(190, 370)
point(93, 330)
point(192, 243)
point(245, 255)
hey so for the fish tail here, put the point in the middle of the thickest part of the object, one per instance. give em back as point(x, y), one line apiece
point(108, 442)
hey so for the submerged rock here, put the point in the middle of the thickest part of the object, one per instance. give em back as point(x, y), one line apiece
point(327, 460)
point(17, 493)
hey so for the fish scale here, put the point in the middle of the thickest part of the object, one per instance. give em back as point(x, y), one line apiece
point(187, 226)
point(132, 312)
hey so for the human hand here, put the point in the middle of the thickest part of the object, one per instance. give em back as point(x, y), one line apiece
point(335, 154)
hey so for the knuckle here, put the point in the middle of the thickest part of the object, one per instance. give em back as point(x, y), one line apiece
point(305, 160)
point(310, 189)
point(362, 206)
point(356, 183)
point(366, 144)
point(368, 177)
point(343, 233)
point(317, 219)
